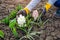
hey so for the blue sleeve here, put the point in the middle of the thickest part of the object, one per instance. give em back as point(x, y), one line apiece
point(57, 3)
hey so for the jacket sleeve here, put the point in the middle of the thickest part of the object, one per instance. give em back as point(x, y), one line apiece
point(32, 4)
point(52, 1)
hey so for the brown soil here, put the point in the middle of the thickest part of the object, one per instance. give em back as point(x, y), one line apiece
point(51, 29)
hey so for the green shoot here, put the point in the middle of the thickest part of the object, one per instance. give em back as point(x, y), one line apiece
point(1, 34)
point(39, 17)
point(41, 23)
point(15, 32)
point(19, 7)
point(13, 14)
point(12, 27)
point(5, 20)
point(12, 23)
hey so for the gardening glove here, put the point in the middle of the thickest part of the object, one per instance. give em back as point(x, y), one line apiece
point(48, 6)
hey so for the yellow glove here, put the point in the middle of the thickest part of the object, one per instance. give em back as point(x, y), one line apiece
point(47, 6)
point(27, 10)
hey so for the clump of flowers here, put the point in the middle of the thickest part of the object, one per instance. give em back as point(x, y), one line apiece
point(21, 20)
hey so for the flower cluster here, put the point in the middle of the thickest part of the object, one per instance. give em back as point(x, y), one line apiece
point(21, 20)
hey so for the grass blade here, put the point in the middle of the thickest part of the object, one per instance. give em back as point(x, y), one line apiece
point(1, 34)
point(12, 23)
point(22, 37)
point(45, 21)
point(15, 32)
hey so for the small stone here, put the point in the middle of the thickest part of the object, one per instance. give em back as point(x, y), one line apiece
point(58, 35)
point(41, 39)
point(50, 29)
point(49, 38)
point(55, 37)
point(53, 33)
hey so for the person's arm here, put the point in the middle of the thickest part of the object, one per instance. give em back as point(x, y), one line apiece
point(31, 5)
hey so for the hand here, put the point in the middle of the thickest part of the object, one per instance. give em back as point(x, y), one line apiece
point(21, 17)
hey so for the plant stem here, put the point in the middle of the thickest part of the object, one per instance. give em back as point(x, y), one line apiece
point(46, 21)
point(0, 21)
point(35, 23)
point(39, 17)
point(24, 30)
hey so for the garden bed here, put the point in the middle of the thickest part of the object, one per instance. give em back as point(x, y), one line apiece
point(51, 30)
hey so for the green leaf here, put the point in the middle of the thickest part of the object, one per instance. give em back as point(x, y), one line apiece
point(39, 17)
point(41, 22)
point(12, 27)
point(28, 22)
point(5, 20)
point(45, 21)
point(23, 29)
point(13, 14)
point(19, 7)
point(15, 32)
point(12, 23)
point(1, 34)
point(0, 21)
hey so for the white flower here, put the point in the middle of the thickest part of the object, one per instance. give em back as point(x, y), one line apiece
point(21, 20)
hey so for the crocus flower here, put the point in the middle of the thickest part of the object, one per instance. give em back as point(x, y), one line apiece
point(35, 14)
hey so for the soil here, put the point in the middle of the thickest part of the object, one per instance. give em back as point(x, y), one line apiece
point(51, 29)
